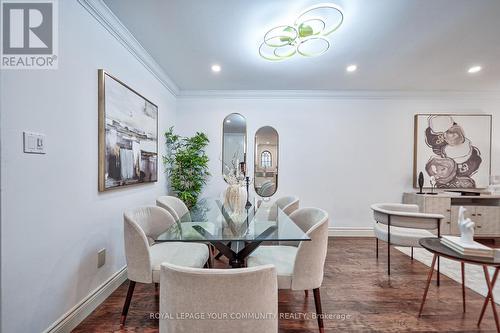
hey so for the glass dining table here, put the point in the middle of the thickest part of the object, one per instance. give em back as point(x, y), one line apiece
point(236, 234)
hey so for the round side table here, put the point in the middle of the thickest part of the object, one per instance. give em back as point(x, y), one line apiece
point(434, 245)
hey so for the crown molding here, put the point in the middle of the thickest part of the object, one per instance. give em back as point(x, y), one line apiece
point(104, 15)
point(340, 94)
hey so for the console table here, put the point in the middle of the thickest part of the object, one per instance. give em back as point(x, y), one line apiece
point(483, 210)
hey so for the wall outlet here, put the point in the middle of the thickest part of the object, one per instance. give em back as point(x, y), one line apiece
point(33, 143)
point(101, 258)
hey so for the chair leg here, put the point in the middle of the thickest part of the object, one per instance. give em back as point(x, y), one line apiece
point(388, 258)
point(319, 311)
point(126, 305)
point(389, 245)
point(376, 246)
point(306, 292)
point(412, 253)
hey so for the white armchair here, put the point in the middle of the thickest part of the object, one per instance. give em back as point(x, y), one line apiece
point(178, 209)
point(175, 206)
point(144, 256)
point(403, 225)
point(300, 268)
point(287, 204)
point(219, 292)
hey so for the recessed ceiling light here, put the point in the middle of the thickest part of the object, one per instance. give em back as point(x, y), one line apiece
point(351, 68)
point(216, 68)
point(474, 69)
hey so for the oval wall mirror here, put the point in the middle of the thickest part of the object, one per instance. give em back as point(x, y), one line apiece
point(234, 143)
point(266, 161)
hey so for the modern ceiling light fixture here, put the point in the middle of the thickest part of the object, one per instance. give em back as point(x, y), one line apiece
point(306, 36)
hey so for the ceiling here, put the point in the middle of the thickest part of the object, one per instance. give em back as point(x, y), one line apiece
point(397, 44)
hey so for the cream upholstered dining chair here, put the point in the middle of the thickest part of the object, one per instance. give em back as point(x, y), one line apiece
point(403, 225)
point(287, 204)
point(243, 300)
point(179, 211)
point(144, 256)
point(301, 267)
point(174, 206)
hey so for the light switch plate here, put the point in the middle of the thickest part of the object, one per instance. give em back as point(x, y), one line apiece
point(101, 258)
point(34, 143)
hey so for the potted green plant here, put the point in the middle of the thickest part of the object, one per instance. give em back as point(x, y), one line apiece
point(186, 164)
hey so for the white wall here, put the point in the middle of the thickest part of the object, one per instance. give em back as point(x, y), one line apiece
point(53, 218)
point(338, 154)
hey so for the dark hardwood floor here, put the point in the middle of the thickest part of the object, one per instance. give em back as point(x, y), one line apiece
point(356, 292)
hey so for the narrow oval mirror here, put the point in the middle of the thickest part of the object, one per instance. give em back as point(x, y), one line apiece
point(234, 144)
point(266, 161)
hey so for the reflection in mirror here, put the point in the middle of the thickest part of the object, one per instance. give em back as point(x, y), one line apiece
point(266, 161)
point(234, 143)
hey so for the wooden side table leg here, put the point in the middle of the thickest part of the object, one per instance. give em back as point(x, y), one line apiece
point(438, 273)
point(489, 295)
point(462, 266)
point(429, 277)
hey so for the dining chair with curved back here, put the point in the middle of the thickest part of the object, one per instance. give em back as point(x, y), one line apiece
point(232, 296)
point(300, 267)
point(144, 256)
point(287, 204)
point(180, 212)
point(174, 206)
point(403, 225)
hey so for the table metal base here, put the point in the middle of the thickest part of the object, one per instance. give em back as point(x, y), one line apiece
point(236, 251)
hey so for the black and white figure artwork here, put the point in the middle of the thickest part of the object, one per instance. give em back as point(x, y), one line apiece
point(128, 144)
point(454, 149)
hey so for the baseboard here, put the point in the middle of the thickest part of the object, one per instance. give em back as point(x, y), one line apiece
point(350, 232)
point(80, 311)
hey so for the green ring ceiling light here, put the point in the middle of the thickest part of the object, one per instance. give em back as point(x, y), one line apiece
point(305, 37)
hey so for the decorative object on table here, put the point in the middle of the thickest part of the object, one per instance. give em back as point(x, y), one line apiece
point(474, 250)
point(306, 36)
point(128, 135)
point(432, 181)
point(234, 143)
point(455, 149)
point(465, 244)
point(466, 227)
point(235, 196)
point(266, 161)
point(186, 164)
point(420, 182)
point(494, 187)
point(248, 204)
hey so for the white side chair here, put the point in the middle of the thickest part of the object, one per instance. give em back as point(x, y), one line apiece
point(174, 206)
point(179, 210)
point(287, 204)
point(221, 292)
point(403, 225)
point(144, 256)
point(300, 268)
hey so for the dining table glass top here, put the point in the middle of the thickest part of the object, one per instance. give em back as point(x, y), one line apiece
point(211, 220)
